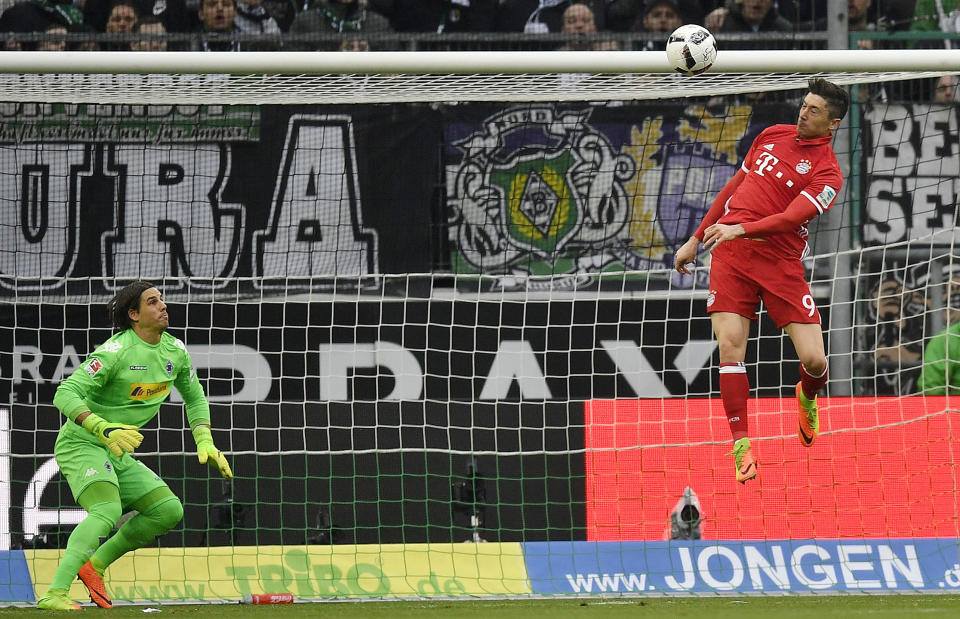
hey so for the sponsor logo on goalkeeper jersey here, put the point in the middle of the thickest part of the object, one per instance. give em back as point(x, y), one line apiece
point(93, 367)
point(145, 391)
point(138, 368)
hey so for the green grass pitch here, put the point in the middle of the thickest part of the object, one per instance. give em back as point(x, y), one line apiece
point(794, 607)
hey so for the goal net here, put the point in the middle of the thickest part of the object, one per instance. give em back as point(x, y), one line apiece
point(441, 337)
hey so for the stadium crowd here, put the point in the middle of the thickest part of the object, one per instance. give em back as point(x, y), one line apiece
point(361, 24)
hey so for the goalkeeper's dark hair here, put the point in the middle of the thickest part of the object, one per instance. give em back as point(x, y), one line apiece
point(127, 299)
point(838, 101)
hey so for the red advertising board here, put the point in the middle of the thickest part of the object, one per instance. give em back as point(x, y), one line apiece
point(882, 467)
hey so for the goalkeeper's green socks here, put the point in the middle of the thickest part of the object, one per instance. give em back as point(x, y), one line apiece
point(83, 541)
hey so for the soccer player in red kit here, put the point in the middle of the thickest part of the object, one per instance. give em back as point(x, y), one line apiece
point(756, 228)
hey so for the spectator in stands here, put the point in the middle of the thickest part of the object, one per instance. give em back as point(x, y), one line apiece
point(89, 44)
point(284, 11)
point(255, 18)
point(895, 14)
point(56, 43)
point(940, 374)
point(941, 363)
point(628, 15)
point(660, 19)
point(747, 16)
point(37, 16)
point(173, 13)
point(578, 19)
point(945, 89)
point(858, 20)
point(541, 16)
point(217, 17)
point(150, 25)
point(441, 15)
point(933, 15)
point(121, 20)
point(354, 45)
point(337, 16)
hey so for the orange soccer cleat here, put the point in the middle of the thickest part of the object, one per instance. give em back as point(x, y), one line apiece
point(92, 580)
point(743, 457)
point(809, 420)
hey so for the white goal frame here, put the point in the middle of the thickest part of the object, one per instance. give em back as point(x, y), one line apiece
point(386, 77)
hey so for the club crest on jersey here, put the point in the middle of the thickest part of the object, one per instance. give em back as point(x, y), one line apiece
point(145, 391)
point(93, 367)
point(803, 166)
point(169, 368)
point(711, 297)
point(107, 466)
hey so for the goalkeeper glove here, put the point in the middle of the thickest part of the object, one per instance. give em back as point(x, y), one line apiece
point(207, 452)
point(118, 437)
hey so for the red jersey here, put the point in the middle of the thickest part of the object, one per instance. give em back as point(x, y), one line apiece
point(780, 167)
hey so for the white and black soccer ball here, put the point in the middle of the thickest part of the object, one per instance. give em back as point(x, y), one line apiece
point(691, 49)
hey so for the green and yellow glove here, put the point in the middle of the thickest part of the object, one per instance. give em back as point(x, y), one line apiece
point(118, 437)
point(207, 452)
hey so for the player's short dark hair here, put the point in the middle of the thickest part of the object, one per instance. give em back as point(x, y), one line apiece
point(127, 299)
point(838, 101)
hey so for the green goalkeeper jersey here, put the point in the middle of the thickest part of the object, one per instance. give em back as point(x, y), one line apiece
point(126, 379)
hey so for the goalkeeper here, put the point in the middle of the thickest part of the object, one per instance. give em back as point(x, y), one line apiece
point(107, 399)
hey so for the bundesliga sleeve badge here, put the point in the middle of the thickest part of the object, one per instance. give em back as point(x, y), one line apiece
point(93, 367)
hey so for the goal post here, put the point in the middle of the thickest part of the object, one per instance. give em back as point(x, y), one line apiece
point(430, 299)
point(335, 77)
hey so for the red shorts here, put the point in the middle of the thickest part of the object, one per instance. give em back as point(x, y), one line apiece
point(744, 271)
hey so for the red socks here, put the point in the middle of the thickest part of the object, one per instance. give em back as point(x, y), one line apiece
point(734, 391)
point(811, 385)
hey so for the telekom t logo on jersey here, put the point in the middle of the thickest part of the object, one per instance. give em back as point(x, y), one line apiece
point(765, 162)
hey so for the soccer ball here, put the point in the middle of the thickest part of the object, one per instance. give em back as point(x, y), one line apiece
point(691, 49)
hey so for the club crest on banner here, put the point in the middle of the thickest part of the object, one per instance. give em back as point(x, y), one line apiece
point(543, 197)
point(535, 186)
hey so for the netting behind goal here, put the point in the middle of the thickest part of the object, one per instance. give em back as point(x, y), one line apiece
point(423, 325)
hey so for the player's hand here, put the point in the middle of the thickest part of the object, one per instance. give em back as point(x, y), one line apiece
point(715, 18)
point(686, 255)
point(208, 453)
point(118, 437)
point(718, 233)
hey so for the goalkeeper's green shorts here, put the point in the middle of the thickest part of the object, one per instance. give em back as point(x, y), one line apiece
point(83, 463)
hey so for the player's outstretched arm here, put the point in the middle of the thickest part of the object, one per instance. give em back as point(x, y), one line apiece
point(207, 451)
